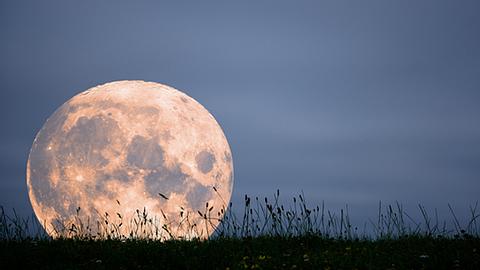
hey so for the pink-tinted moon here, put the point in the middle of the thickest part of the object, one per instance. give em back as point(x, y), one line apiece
point(130, 145)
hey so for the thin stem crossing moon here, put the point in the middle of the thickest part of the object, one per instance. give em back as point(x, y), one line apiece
point(126, 147)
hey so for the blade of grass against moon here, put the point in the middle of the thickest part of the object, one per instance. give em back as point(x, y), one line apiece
point(129, 142)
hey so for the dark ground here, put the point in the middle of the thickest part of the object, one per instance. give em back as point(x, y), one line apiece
point(308, 252)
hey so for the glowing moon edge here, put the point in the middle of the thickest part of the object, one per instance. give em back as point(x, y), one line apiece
point(130, 159)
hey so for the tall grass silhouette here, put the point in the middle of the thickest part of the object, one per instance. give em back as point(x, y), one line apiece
point(259, 217)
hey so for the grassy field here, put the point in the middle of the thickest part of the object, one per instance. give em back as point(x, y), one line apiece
point(267, 236)
point(305, 252)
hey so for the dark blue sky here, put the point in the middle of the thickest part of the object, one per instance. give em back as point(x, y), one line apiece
point(350, 101)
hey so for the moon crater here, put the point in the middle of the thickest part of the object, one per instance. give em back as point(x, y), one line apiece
point(129, 145)
point(205, 161)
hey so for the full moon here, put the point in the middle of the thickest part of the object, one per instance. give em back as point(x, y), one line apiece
point(130, 158)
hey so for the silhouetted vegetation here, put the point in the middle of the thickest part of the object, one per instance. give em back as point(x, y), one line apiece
point(268, 235)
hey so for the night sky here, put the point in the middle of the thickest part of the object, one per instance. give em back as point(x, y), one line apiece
point(351, 102)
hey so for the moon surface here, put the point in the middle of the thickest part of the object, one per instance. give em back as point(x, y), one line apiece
point(117, 150)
